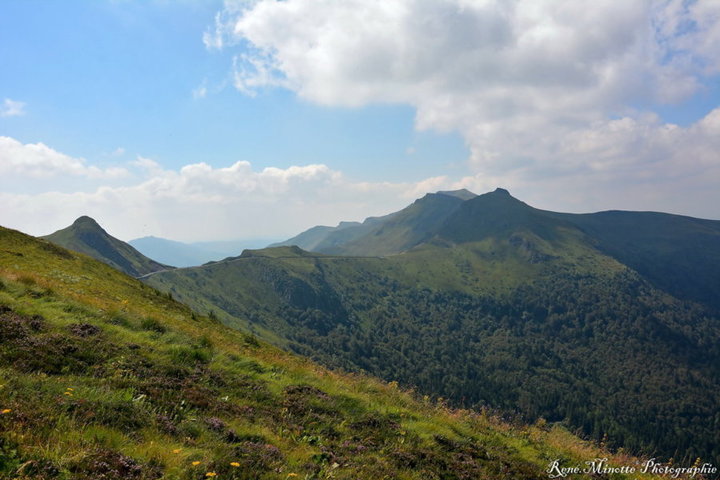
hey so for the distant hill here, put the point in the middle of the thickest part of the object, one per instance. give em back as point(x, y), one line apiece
point(315, 237)
point(175, 253)
point(606, 322)
point(86, 236)
point(182, 254)
point(104, 377)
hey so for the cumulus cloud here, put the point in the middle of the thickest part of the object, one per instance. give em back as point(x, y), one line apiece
point(40, 161)
point(197, 201)
point(12, 108)
point(202, 202)
point(539, 89)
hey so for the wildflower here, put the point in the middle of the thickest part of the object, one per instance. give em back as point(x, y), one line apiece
point(69, 394)
point(292, 475)
point(6, 410)
point(70, 389)
point(177, 450)
point(234, 464)
point(195, 463)
point(211, 474)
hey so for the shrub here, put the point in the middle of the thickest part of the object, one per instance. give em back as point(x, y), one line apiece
point(152, 324)
point(55, 353)
point(84, 329)
point(190, 355)
point(108, 464)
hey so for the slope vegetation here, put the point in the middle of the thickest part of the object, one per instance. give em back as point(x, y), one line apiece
point(102, 377)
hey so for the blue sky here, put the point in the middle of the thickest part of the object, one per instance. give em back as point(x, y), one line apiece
point(106, 75)
point(138, 112)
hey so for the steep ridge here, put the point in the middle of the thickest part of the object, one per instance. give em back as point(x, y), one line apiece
point(104, 377)
point(86, 236)
point(400, 231)
point(497, 214)
point(384, 235)
point(678, 254)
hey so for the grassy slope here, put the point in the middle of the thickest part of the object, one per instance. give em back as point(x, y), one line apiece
point(103, 377)
point(86, 236)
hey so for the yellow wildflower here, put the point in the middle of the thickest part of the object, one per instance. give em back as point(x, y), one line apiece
point(177, 450)
point(195, 463)
point(7, 410)
point(234, 464)
point(70, 389)
point(69, 394)
point(292, 475)
point(211, 474)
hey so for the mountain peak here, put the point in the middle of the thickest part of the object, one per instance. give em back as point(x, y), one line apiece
point(86, 236)
point(501, 191)
point(86, 221)
point(462, 194)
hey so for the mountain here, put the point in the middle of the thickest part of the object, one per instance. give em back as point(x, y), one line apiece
point(231, 248)
point(315, 236)
point(489, 302)
point(676, 253)
point(174, 253)
point(105, 377)
point(385, 235)
point(190, 254)
point(86, 236)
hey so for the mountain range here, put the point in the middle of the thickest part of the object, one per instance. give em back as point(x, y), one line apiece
point(677, 253)
point(104, 377)
point(608, 322)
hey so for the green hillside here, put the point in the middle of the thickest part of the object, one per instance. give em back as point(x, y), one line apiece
point(505, 306)
point(86, 236)
point(316, 237)
point(678, 254)
point(103, 377)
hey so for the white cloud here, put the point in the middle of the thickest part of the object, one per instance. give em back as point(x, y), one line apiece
point(147, 165)
point(202, 202)
point(220, 35)
point(12, 108)
point(542, 91)
point(199, 201)
point(200, 92)
point(40, 161)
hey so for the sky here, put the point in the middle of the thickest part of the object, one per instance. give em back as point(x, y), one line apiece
point(199, 121)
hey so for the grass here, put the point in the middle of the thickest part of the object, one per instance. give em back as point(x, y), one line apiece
point(103, 377)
